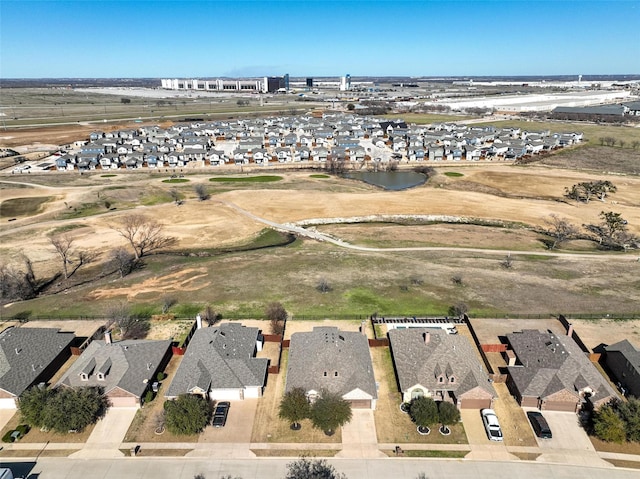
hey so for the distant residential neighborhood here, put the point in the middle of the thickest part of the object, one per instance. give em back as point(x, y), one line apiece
point(312, 140)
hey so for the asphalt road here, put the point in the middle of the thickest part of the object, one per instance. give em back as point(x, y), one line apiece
point(267, 468)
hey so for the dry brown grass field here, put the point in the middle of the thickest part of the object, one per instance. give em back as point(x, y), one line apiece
point(87, 208)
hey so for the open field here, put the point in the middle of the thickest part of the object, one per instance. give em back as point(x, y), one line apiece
point(51, 106)
point(220, 259)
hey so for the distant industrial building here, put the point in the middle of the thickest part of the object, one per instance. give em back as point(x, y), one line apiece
point(345, 83)
point(263, 85)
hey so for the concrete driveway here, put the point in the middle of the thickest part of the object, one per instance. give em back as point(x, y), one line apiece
point(481, 447)
point(570, 443)
point(566, 430)
point(238, 427)
point(359, 436)
point(5, 416)
point(108, 434)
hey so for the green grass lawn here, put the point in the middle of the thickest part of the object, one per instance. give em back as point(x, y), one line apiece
point(176, 180)
point(453, 174)
point(246, 179)
point(22, 206)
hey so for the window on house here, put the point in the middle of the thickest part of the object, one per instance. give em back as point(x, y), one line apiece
point(335, 374)
point(325, 374)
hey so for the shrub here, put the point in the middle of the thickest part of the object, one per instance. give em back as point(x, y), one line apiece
point(423, 411)
point(607, 425)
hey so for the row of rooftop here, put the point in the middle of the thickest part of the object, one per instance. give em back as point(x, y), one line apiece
point(545, 370)
point(306, 138)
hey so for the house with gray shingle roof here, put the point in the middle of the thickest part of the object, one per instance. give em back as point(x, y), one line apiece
point(29, 356)
point(328, 359)
point(220, 364)
point(553, 373)
point(124, 369)
point(623, 360)
point(429, 362)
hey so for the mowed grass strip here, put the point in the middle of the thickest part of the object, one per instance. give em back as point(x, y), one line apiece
point(23, 206)
point(246, 179)
point(176, 180)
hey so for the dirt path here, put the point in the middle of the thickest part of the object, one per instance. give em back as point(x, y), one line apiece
point(318, 236)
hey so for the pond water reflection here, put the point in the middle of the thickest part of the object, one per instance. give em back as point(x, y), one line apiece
point(389, 180)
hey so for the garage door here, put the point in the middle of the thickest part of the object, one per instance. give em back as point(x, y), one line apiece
point(475, 404)
point(559, 406)
point(124, 402)
point(8, 403)
point(361, 403)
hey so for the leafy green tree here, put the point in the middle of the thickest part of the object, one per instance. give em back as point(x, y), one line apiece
point(604, 187)
point(330, 412)
point(32, 405)
point(187, 414)
point(75, 409)
point(305, 468)
point(613, 226)
point(630, 414)
point(63, 409)
point(423, 411)
point(448, 414)
point(294, 407)
point(607, 425)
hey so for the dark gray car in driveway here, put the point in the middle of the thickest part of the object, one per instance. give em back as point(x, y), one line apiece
point(220, 414)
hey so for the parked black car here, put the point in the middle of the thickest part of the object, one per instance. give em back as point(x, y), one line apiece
point(220, 414)
point(539, 425)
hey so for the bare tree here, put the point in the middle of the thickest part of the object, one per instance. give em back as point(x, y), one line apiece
point(459, 309)
point(128, 325)
point(123, 260)
point(143, 234)
point(167, 303)
point(507, 262)
point(277, 315)
point(560, 229)
point(17, 283)
point(201, 191)
point(210, 316)
point(175, 195)
point(323, 286)
point(62, 245)
point(457, 279)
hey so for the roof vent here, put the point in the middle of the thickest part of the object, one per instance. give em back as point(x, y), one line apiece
point(18, 350)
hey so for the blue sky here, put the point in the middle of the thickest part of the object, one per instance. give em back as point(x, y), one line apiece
point(121, 38)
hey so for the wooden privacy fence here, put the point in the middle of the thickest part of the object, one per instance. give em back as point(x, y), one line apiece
point(494, 348)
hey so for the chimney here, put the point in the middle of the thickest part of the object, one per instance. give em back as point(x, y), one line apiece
point(107, 337)
point(427, 337)
point(198, 321)
point(570, 330)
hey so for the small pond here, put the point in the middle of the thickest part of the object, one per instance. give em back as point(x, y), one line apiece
point(389, 180)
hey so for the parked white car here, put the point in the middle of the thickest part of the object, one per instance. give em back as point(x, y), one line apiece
point(491, 424)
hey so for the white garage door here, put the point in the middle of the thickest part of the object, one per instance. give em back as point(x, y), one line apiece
point(226, 394)
point(8, 403)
